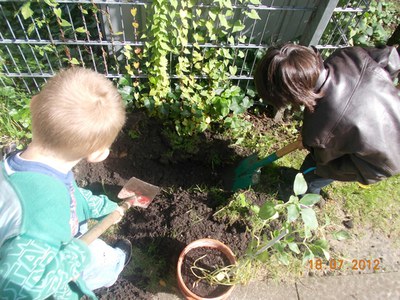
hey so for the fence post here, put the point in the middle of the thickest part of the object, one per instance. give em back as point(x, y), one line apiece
point(318, 22)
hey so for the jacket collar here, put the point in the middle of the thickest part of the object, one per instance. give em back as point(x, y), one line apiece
point(321, 79)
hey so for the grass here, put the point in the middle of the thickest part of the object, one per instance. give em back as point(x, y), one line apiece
point(376, 205)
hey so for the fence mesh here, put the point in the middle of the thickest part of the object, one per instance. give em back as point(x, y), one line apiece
point(37, 40)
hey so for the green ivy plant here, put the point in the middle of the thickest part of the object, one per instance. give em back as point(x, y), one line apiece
point(376, 24)
point(202, 93)
point(15, 123)
point(370, 28)
point(200, 96)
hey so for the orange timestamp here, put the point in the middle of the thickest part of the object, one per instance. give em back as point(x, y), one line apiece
point(339, 264)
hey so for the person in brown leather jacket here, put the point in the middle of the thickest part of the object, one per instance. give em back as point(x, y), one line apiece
point(351, 123)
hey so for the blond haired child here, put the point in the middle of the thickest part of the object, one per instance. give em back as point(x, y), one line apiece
point(77, 115)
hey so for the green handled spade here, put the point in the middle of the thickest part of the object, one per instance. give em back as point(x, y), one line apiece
point(246, 172)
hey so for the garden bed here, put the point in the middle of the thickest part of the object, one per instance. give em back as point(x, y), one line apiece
point(191, 194)
point(181, 213)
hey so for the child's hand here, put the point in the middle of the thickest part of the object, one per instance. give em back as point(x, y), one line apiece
point(121, 209)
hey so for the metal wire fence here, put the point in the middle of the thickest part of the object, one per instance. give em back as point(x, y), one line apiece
point(36, 41)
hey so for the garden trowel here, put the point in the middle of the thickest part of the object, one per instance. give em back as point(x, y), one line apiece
point(134, 193)
point(245, 174)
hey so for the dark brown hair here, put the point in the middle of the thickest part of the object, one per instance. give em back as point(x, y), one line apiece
point(288, 75)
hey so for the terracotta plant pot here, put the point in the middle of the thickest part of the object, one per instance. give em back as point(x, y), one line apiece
point(208, 244)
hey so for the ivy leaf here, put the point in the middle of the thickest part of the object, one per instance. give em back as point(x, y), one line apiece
point(65, 23)
point(210, 27)
point(239, 105)
point(253, 15)
point(251, 92)
point(309, 218)
point(52, 3)
point(310, 199)
point(198, 37)
point(300, 185)
point(129, 70)
point(255, 2)
point(242, 39)
point(236, 106)
point(74, 61)
point(232, 70)
point(293, 212)
point(184, 41)
point(57, 12)
point(174, 3)
point(246, 103)
point(267, 211)
point(183, 14)
point(80, 30)
point(221, 106)
point(212, 15)
point(26, 10)
point(227, 4)
point(30, 28)
point(238, 26)
point(123, 81)
point(223, 21)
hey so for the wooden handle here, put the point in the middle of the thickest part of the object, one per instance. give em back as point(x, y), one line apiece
point(104, 224)
point(298, 144)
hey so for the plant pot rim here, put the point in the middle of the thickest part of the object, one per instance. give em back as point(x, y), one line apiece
point(200, 243)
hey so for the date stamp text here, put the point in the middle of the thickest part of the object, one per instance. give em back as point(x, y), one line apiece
point(341, 264)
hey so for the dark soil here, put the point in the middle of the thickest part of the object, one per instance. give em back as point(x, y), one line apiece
point(181, 213)
point(206, 259)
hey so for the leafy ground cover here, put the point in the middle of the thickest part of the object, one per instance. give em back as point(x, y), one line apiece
point(356, 222)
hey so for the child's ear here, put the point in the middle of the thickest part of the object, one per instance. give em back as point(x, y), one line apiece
point(98, 156)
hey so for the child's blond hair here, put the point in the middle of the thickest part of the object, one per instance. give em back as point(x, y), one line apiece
point(77, 112)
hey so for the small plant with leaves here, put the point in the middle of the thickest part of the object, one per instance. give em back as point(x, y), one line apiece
point(291, 237)
point(299, 206)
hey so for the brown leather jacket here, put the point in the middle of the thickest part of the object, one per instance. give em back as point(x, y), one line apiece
point(354, 132)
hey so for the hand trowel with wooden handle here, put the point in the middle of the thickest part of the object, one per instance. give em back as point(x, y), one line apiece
point(134, 193)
